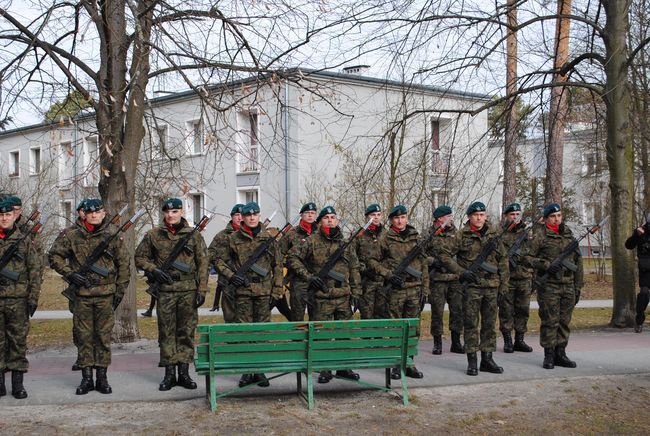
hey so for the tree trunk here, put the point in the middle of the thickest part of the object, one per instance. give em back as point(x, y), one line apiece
point(619, 160)
point(510, 143)
point(558, 110)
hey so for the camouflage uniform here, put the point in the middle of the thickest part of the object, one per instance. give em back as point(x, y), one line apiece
point(298, 288)
point(444, 287)
point(251, 302)
point(93, 314)
point(177, 311)
point(558, 297)
point(220, 240)
point(14, 300)
point(393, 247)
point(479, 300)
point(309, 256)
point(373, 302)
point(26, 227)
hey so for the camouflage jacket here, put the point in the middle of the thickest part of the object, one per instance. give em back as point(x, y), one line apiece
point(466, 247)
point(219, 241)
point(292, 238)
point(26, 264)
point(238, 247)
point(158, 243)
point(74, 244)
point(438, 272)
point(367, 247)
point(546, 245)
point(308, 257)
point(393, 248)
point(522, 270)
point(26, 227)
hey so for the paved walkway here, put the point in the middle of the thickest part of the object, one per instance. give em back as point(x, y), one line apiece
point(134, 374)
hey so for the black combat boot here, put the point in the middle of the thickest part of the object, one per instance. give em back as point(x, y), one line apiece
point(147, 313)
point(472, 368)
point(102, 385)
point(184, 378)
point(437, 345)
point(395, 374)
point(413, 372)
point(261, 380)
point(245, 380)
point(325, 376)
point(549, 358)
point(17, 388)
point(561, 359)
point(507, 342)
point(76, 366)
point(87, 384)
point(456, 346)
point(488, 364)
point(347, 373)
point(520, 345)
point(169, 381)
point(3, 389)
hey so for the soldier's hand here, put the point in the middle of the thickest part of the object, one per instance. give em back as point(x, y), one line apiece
point(515, 259)
point(318, 283)
point(640, 230)
point(554, 269)
point(396, 280)
point(161, 276)
point(31, 309)
point(200, 299)
point(354, 303)
point(469, 277)
point(78, 280)
point(239, 281)
point(578, 292)
point(423, 301)
point(437, 264)
point(116, 301)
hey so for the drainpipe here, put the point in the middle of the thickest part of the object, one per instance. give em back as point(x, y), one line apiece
point(286, 148)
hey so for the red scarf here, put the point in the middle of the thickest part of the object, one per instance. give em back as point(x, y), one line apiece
point(475, 229)
point(327, 230)
point(396, 230)
point(89, 227)
point(306, 227)
point(555, 228)
point(235, 226)
point(2, 233)
point(373, 228)
point(247, 230)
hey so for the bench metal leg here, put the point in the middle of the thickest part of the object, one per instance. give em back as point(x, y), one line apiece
point(405, 389)
point(299, 382)
point(388, 378)
point(213, 394)
point(207, 387)
point(310, 390)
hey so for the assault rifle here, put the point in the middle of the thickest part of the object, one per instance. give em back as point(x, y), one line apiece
point(12, 251)
point(481, 260)
point(562, 260)
point(90, 265)
point(515, 249)
point(251, 264)
point(33, 217)
point(172, 260)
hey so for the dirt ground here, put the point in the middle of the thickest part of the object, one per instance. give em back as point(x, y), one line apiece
point(584, 405)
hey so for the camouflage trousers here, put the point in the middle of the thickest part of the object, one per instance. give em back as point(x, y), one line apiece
point(452, 293)
point(556, 303)
point(480, 311)
point(92, 323)
point(514, 306)
point(328, 309)
point(253, 308)
point(372, 304)
point(404, 303)
point(177, 318)
point(298, 295)
point(14, 326)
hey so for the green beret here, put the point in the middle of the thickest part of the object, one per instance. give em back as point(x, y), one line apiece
point(551, 208)
point(172, 203)
point(372, 208)
point(307, 207)
point(441, 211)
point(81, 204)
point(514, 207)
point(477, 206)
point(250, 208)
point(325, 211)
point(236, 209)
point(398, 210)
point(6, 206)
point(13, 200)
point(93, 205)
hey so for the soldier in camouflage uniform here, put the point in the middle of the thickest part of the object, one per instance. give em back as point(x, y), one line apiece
point(480, 288)
point(182, 292)
point(405, 296)
point(372, 302)
point(514, 305)
point(298, 288)
point(221, 240)
point(254, 289)
point(331, 299)
point(444, 285)
point(97, 297)
point(561, 292)
point(18, 302)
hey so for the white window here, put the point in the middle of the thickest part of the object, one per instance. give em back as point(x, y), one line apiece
point(248, 195)
point(14, 163)
point(196, 201)
point(35, 160)
point(66, 213)
point(248, 127)
point(589, 163)
point(66, 164)
point(439, 198)
point(195, 137)
point(91, 160)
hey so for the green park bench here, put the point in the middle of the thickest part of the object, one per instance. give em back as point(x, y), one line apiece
point(305, 348)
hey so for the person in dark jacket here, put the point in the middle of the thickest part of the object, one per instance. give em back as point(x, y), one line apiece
point(640, 240)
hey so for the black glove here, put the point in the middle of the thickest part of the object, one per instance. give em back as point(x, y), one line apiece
point(437, 264)
point(200, 299)
point(239, 281)
point(397, 281)
point(469, 277)
point(116, 301)
point(423, 301)
point(318, 283)
point(31, 309)
point(161, 276)
point(354, 303)
point(578, 291)
point(554, 269)
point(500, 297)
point(78, 280)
